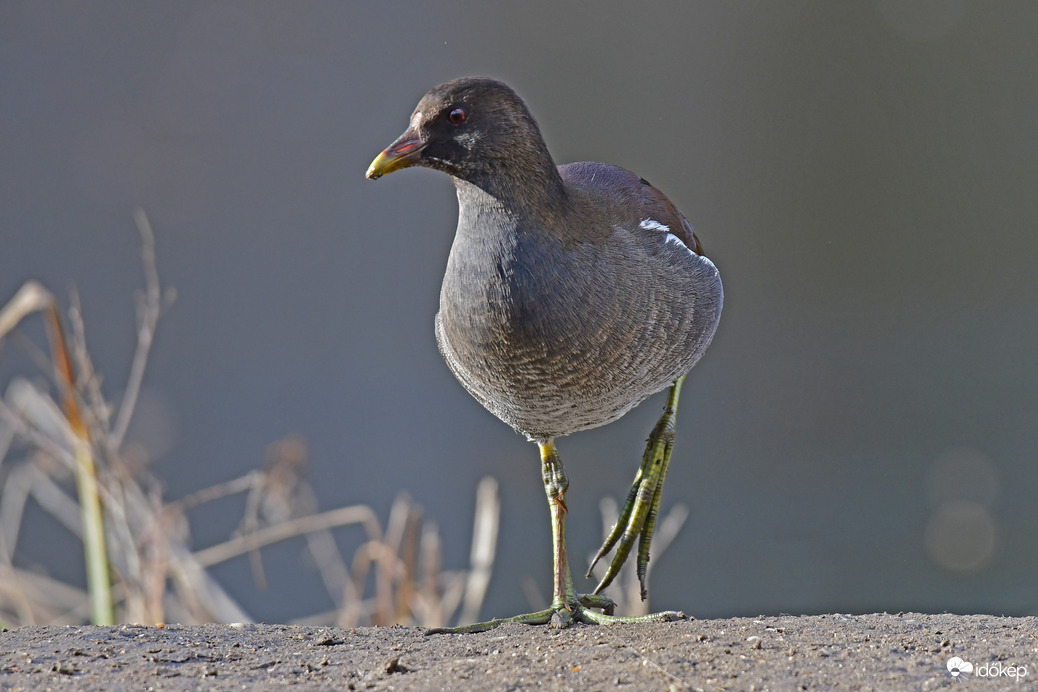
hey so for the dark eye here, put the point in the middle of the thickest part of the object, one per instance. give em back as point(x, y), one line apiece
point(457, 116)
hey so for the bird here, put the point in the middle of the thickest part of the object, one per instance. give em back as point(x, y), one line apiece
point(571, 294)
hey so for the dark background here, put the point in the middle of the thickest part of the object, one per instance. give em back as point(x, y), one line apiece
point(862, 434)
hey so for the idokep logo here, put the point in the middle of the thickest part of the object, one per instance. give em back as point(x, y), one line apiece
point(957, 667)
point(996, 669)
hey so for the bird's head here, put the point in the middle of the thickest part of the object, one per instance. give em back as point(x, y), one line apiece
point(471, 128)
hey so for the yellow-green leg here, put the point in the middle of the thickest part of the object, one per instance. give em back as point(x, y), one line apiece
point(567, 606)
point(638, 519)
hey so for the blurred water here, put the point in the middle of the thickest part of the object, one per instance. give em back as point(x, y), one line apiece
point(863, 174)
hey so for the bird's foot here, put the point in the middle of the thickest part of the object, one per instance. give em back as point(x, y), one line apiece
point(559, 616)
point(638, 519)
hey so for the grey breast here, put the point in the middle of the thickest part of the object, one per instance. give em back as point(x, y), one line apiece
point(555, 334)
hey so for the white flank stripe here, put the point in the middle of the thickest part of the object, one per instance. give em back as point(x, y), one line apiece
point(653, 225)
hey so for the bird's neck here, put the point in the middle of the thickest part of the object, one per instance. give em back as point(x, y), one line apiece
point(528, 188)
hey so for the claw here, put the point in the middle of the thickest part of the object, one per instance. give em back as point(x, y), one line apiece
point(638, 518)
point(605, 603)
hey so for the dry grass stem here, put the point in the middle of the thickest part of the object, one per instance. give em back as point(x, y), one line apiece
point(143, 540)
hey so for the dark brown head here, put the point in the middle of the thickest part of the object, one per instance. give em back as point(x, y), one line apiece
point(475, 129)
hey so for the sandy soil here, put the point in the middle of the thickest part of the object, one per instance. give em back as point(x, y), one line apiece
point(841, 652)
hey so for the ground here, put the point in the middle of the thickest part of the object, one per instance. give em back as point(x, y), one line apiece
point(906, 651)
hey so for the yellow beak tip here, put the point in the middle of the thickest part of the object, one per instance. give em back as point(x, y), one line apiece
point(378, 167)
point(402, 153)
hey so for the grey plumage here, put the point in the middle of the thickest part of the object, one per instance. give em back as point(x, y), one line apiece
point(564, 323)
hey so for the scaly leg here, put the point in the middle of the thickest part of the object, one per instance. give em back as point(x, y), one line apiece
point(638, 519)
point(567, 606)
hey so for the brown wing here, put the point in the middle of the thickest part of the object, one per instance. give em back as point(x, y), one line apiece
point(657, 207)
point(618, 194)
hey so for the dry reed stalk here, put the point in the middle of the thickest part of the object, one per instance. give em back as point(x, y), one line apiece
point(142, 541)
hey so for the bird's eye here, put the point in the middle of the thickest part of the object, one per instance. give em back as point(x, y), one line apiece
point(456, 116)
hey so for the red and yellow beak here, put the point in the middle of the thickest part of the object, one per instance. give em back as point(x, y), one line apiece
point(404, 152)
